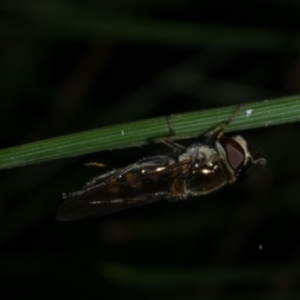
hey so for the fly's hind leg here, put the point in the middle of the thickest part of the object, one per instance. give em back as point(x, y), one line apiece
point(177, 148)
point(98, 179)
point(95, 164)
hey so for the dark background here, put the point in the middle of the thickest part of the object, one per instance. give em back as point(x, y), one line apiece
point(69, 66)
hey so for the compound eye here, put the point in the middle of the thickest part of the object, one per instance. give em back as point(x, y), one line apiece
point(235, 153)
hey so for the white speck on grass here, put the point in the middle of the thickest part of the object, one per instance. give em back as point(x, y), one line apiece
point(249, 112)
point(122, 132)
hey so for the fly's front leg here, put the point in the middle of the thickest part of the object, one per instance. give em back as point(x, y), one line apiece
point(219, 132)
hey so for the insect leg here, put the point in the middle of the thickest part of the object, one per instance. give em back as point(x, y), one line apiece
point(219, 132)
point(152, 161)
point(148, 161)
point(94, 164)
point(98, 179)
point(176, 147)
point(171, 129)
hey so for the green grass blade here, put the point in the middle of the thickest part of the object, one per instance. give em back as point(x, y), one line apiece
point(252, 115)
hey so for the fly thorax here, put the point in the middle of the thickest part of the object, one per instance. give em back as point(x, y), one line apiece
point(199, 152)
point(206, 171)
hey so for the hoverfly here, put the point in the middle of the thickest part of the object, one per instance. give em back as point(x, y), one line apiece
point(196, 170)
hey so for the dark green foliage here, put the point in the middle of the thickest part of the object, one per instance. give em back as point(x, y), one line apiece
point(78, 77)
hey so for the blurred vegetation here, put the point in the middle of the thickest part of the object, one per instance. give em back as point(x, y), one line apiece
point(70, 66)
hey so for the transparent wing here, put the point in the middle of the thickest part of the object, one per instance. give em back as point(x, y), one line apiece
point(147, 181)
point(76, 209)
